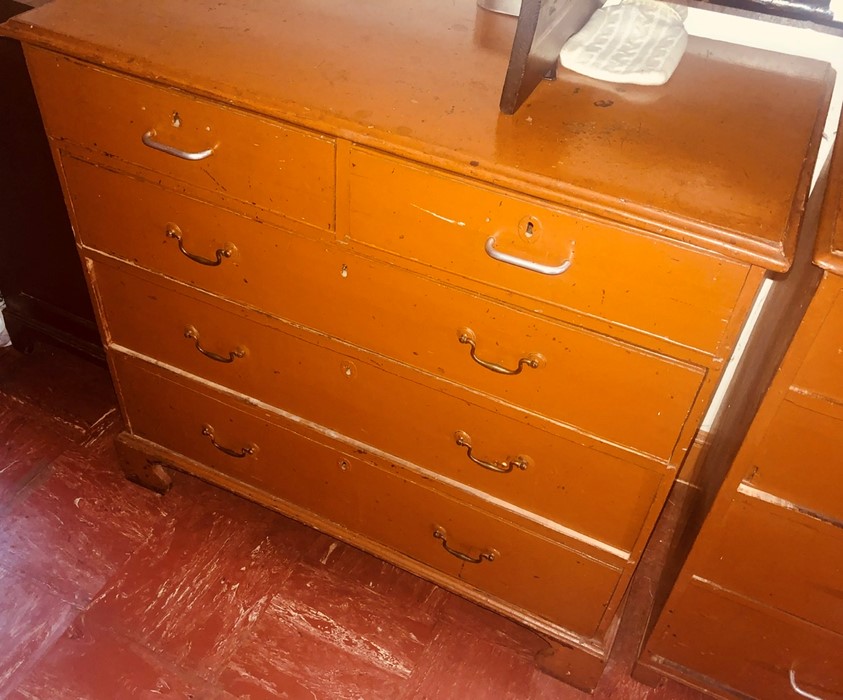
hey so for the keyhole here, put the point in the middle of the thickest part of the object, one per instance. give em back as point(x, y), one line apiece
point(529, 228)
point(176, 120)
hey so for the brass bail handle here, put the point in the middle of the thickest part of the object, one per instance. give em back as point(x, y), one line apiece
point(192, 334)
point(440, 534)
point(174, 232)
point(208, 431)
point(534, 360)
point(521, 462)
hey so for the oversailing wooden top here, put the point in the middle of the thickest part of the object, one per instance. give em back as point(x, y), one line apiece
point(720, 156)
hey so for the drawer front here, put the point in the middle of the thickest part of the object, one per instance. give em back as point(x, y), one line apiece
point(279, 168)
point(608, 389)
point(781, 558)
point(629, 278)
point(748, 649)
point(588, 491)
point(382, 502)
point(801, 458)
point(822, 371)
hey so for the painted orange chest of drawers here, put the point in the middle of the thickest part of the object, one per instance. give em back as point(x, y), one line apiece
point(332, 277)
point(757, 609)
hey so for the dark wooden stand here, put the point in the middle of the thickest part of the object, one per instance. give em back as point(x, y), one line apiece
point(40, 272)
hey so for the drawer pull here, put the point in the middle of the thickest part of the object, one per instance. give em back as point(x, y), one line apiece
point(533, 360)
point(191, 333)
point(798, 690)
point(440, 534)
point(149, 140)
point(495, 254)
point(208, 431)
point(174, 231)
point(464, 440)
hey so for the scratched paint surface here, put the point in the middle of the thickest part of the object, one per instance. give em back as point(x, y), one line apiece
point(203, 578)
point(31, 619)
point(24, 451)
point(110, 591)
point(95, 664)
point(69, 533)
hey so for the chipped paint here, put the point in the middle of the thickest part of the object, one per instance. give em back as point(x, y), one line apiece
point(772, 499)
point(439, 216)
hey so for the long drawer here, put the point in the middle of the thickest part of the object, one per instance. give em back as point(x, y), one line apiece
point(374, 499)
point(209, 146)
point(370, 400)
point(408, 317)
point(800, 457)
point(627, 277)
point(750, 650)
point(779, 557)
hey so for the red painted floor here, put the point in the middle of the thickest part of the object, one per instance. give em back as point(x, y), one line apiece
point(110, 592)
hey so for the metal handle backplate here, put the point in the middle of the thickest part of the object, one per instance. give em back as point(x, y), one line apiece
point(149, 139)
point(208, 431)
point(440, 534)
point(500, 256)
point(520, 462)
point(533, 360)
point(174, 232)
point(192, 334)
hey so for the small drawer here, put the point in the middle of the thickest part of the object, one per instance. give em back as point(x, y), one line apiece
point(375, 499)
point(206, 145)
point(595, 495)
point(801, 457)
point(822, 371)
point(779, 557)
point(748, 650)
point(636, 280)
point(612, 390)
